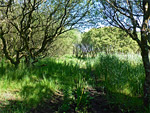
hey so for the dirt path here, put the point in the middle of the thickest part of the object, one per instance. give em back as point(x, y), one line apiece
point(98, 104)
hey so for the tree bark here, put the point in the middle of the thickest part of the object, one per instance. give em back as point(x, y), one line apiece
point(145, 51)
point(146, 63)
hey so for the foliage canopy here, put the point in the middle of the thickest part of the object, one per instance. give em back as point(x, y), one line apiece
point(110, 39)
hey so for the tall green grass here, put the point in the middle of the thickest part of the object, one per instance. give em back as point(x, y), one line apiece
point(27, 88)
point(122, 77)
point(31, 86)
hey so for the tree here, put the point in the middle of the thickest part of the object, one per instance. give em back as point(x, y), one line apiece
point(132, 16)
point(28, 27)
point(64, 43)
point(110, 40)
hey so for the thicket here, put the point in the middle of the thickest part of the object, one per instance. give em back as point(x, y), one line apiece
point(117, 77)
point(28, 28)
point(106, 39)
point(64, 43)
point(110, 40)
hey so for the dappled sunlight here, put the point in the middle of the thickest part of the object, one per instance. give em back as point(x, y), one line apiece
point(35, 94)
point(70, 81)
point(9, 99)
point(119, 73)
point(40, 83)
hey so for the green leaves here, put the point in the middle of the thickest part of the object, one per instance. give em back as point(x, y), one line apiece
point(47, 18)
point(110, 39)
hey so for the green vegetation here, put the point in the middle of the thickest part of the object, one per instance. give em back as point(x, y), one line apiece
point(64, 43)
point(64, 84)
point(36, 75)
point(39, 73)
point(123, 77)
point(110, 40)
point(131, 16)
point(29, 28)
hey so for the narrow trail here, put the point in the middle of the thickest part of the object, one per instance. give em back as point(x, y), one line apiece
point(97, 105)
point(98, 102)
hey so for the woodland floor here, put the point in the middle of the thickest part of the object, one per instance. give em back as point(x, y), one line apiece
point(98, 104)
point(97, 97)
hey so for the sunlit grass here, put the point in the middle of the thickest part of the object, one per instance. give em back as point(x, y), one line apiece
point(121, 76)
point(38, 84)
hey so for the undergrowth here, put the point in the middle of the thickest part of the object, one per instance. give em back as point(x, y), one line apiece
point(122, 77)
point(26, 88)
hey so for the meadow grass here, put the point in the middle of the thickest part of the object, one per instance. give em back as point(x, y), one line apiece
point(32, 86)
point(26, 88)
point(122, 76)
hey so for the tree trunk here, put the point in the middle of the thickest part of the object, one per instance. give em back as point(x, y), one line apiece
point(146, 63)
point(28, 61)
point(145, 50)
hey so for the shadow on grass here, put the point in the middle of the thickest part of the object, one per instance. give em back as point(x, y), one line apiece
point(41, 84)
point(12, 106)
point(120, 75)
point(31, 96)
point(122, 81)
point(121, 103)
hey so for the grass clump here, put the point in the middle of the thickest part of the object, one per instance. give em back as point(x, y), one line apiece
point(122, 79)
point(62, 84)
point(39, 84)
